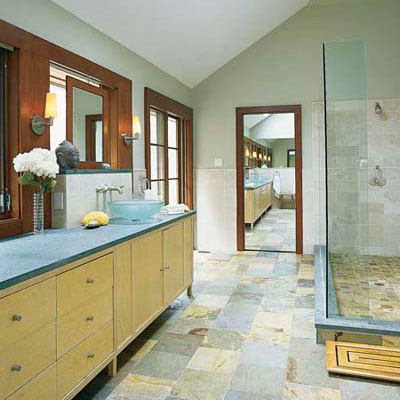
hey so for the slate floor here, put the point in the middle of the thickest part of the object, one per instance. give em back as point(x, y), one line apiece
point(248, 334)
point(275, 231)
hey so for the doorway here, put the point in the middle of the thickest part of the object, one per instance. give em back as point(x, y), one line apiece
point(269, 178)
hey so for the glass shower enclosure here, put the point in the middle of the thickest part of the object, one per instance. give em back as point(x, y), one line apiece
point(357, 203)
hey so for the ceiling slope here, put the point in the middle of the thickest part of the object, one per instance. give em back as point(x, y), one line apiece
point(188, 39)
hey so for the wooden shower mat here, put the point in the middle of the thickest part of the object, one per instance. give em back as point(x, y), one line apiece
point(362, 360)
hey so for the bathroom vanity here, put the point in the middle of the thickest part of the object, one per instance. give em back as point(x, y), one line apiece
point(72, 299)
point(258, 199)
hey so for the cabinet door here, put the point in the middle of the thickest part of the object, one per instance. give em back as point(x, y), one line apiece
point(188, 251)
point(173, 262)
point(148, 281)
point(123, 293)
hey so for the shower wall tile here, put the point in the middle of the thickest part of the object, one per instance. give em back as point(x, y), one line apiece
point(357, 132)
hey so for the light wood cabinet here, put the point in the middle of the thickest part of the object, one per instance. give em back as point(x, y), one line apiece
point(26, 358)
point(58, 333)
point(123, 294)
point(148, 280)
point(173, 263)
point(42, 387)
point(79, 362)
point(78, 324)
point(79, 285)
point(188, 251)
point(24, 312)
point(257, 201)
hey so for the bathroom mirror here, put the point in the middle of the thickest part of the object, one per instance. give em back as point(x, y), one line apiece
point(87, 121)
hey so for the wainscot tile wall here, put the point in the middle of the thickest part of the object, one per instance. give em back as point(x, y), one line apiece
point(75, 194)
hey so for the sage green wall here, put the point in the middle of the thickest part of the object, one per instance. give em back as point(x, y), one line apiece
point(285, 67)
point(279, 152)
point(49, 21)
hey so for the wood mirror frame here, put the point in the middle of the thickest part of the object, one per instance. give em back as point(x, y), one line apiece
point(105, 117)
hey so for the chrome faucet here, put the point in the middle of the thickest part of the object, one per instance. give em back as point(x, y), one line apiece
point(144, 184)
point(109, 188)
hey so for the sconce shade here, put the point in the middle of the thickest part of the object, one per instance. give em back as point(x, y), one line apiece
point(254, 154)
point(136, 127)
point(51, 106)
point(265, 156)
point(247, 153)
point(260, 156)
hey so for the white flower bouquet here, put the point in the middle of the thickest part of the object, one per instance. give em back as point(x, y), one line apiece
point(38, 167)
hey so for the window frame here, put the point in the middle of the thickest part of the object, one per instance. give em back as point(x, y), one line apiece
point(169, 108)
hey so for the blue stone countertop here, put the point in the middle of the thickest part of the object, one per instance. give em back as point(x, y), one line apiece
point(255, 184)
point(26, 256)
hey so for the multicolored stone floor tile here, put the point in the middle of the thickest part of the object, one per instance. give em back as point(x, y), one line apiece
point(248, 334)
point(367, 286)
point(275, 231)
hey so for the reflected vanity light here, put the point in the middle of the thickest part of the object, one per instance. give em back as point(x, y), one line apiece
point(254, 154)
point(40, 123)
point(260, 156)
point(136, 131)
point(265, 157)
point(247, 153)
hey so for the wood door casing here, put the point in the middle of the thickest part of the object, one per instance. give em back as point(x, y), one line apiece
point(173, 262)
point(240, 190)
point(148, 280)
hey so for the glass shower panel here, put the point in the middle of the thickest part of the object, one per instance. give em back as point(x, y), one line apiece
point(346, 165)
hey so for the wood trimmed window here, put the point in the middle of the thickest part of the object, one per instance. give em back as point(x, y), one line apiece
point(28, 80)
point(168, 148)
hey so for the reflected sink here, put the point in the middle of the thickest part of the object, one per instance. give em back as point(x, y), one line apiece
point(135, 210)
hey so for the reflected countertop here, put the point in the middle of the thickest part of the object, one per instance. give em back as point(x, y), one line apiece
point(255, 184)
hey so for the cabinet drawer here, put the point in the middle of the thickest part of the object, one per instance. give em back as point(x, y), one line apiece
point(83, 283)
point(42, 387)
point(24, 312)
point(26, 358)
point(84, 358)
point(78, 324)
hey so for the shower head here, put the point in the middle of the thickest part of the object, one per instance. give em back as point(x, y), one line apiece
point(378, 108)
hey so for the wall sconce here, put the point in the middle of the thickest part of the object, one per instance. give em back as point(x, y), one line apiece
point(136, 131)
point(40, 123)
point(254, 154)
point(265, 157)
point(269, 158)
point(259, 156)
point(247, 153)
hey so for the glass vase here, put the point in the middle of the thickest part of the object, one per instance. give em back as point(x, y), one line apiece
point(38, 213)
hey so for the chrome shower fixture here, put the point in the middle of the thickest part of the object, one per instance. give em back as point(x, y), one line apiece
point(378, 108)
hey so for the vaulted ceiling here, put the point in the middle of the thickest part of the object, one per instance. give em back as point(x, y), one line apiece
point(188, 39)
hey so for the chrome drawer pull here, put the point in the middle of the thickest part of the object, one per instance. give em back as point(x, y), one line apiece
point(91, 355)
point(162, 268)
point(90, 318)
point(17, 317)
point(166, 267)
point(16, 368)
point(89, 280)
